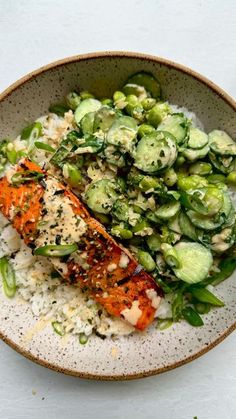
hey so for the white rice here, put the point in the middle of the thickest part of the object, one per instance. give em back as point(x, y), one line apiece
point(49, 297)
point(190, 115)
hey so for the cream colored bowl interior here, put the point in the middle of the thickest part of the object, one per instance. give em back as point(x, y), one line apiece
point(153, 351)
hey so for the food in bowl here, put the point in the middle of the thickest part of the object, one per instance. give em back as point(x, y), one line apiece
point(148, 172)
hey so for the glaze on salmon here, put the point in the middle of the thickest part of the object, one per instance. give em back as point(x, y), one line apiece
point(44, 211)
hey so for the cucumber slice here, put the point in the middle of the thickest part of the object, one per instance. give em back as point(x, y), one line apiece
point(204, 222)
point(227, 205)
point(230, 220)
point(86, 106)
point(87, 123)
point(173, 224)
point(177, 124)
point(197, 138)
point(167, 211)
point(155, 152)
point(216, 178)
point(192, 155)
point(195, 262)
point(148, 81)
point(224, 215)
point(225, 164)
point(187, 228)
point(101, 195)
point(221, 143)
point(104, 119)
point(206, 201)
point(193, 199)
point(123, 133)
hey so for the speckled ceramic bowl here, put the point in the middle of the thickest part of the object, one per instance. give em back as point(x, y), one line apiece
point(154, 351)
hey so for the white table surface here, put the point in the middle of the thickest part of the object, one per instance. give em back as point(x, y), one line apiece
point(200, 34)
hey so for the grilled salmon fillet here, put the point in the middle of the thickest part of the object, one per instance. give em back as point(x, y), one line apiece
point(45, 212)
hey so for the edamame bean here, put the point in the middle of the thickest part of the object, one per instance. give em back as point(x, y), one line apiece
point(86, 95)
point(121, 232)
point(191, 182)
point(158, 113)
point(133, 107)
point(148, 103)
point(170, 177)
point(118, 95)
point(200, 168)
point(179, 161)
point(148, 183)
point(146, 260)
point(231, 178)
point(134, 89)
point(145, 129)
point(107, 102)
point(132, 101)
point(140, 226)
point(119, 100)
point(73, 100)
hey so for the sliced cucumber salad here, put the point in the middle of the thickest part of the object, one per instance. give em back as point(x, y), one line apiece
point(159, 184)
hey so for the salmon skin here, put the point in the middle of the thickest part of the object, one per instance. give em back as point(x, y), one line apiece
point(46, 212)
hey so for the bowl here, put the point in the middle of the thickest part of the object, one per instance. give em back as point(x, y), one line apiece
point(141, 354)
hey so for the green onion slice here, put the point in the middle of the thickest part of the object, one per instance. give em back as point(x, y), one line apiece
point(8, 277)
point(170, 255)
point(83, 339)
point(27, 176)
point(58, 328)
point(164, 324)
point(205, 296)
point(44, 146)
point(192, 317)
point(53, 250)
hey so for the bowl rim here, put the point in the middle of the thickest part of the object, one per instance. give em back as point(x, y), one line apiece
point(168, 63)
